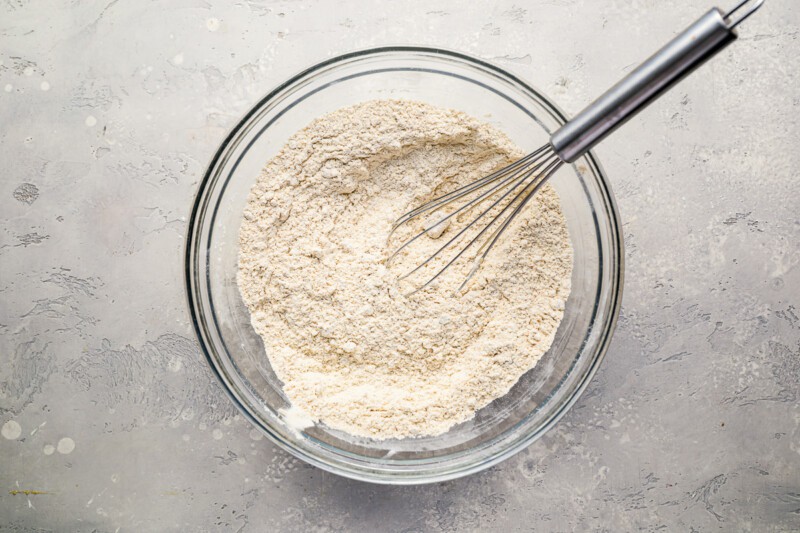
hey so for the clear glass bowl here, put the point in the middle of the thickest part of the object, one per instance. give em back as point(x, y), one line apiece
point(236, 353)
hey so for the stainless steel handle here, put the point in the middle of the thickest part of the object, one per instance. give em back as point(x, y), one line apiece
point(698, 43)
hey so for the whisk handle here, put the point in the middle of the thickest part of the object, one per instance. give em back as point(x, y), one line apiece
point(690, 49)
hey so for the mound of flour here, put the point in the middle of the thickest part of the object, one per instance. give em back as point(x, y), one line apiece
point(351, 350)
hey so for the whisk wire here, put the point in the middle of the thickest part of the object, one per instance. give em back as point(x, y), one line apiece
point(458, 235)
point(520, 169)
point(469, 188)
point(528, 193)
point(474, 221)
point(465, 207)
point(531, 189)
point(550, 163)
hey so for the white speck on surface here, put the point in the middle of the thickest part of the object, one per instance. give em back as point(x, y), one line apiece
point(202, 426)
point(9, 87)
point(212, 24)
point(65, 445)
point(226, 422)
point(45, 86)
point(178, 59)
point(175, 364)
point(11, 430)
point(48, 449)
point(28, 71)
point(185, 437)
point(217, 434)
point(90, 121)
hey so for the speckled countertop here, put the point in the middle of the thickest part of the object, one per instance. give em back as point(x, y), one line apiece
point(111, 420)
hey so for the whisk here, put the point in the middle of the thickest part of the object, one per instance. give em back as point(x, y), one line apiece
point(499, 197)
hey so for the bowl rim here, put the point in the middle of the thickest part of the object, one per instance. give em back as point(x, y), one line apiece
point(192, 280)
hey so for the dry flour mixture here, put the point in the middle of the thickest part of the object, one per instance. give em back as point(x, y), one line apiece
point(352, 351)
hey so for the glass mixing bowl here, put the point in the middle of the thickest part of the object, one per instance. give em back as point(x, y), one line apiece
point(236, 353)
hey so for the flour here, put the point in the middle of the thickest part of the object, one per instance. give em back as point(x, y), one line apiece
point(351, 350)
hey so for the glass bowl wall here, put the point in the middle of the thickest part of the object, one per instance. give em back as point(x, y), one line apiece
point(236, 353)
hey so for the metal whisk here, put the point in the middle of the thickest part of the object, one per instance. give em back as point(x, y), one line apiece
point(499, 197)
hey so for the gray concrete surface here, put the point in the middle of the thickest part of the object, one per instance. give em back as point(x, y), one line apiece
point(109, 112)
